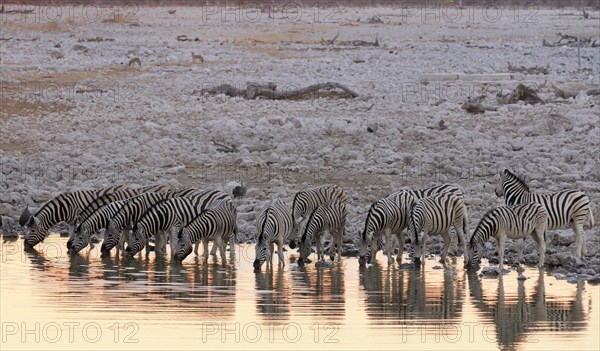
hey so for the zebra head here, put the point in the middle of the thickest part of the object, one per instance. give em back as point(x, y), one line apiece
point(111, 237)
point(185, 245)
point(503, 180)
point(262, 251)
point(138, 240)
point(34, 232)
point(296, 230)
point(80, 240)
point(473, 258)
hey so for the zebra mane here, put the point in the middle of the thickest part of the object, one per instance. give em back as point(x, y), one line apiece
point(369, 215)
point(478, 232)
point(312, 215)
point(51, 201)
point(294, 206)
point(262, 231)
point(517, 178)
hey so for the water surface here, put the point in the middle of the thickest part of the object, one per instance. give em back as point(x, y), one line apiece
point(51, 300)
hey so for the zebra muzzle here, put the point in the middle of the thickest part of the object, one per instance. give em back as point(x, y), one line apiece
point(257, 264)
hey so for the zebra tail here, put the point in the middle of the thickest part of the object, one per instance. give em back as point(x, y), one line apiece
point(591, 217)
point(465, 225)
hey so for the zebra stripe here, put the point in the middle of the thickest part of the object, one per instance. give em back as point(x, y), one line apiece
point(133, 210)
point(95, 222)
point(565, 208)
point(417, 194)
point(331, 218)
point(217, 223)
point(63, 208)
point(305, 203)
point(435, 215)
point(273, 225)
point(170, 214)
point(514, 222)
point(386, 217)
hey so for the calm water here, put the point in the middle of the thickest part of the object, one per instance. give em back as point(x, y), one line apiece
point(52, 301)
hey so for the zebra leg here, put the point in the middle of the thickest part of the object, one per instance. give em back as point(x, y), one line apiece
point(501, 242)
point(339, 246)
point(222, 249)
point(270, 254)
point(280, 252)
point(520, 245)
point(579, 239)
point(388, 246)
point(461, 240)
point(447, 241)
point(400, 237)
point(213, 251)
point(205, 256)
point(538, 236)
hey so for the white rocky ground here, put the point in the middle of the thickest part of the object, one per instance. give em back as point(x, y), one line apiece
point(75, 115)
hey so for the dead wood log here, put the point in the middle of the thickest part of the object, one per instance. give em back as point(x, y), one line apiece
point(572, 41)
point(523, 93)
point(474, 105)
point(269, 91)
point(562, 94)
point(330, 42)
point(595, 91)
point(351, 42)
point(530, 70)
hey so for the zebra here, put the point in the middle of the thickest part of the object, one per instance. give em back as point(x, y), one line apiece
point(514, 222)
point(386, 217)
point(306, 201)
point(273, 225)
point(119, 225)
point(94, 223)
point(329, 217)
point(435, 215)
point(99, 203)
point(63, 208)
point(417, 194)
point(565, 208)
point(167, 215)
point(217, 223)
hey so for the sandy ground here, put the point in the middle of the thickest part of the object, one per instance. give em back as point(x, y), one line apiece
point(75, 115)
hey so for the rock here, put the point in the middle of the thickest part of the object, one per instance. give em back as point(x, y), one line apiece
point(562, 240)
point(57, 55)
point(490, 271)
point(595, 280)
point(81, 48)
point(5, 209)
point(521, 277)
point(372, 128)
point(564, 259)
point(572, 280)
point(437, 267)
point(323, 264)
point(349, 250)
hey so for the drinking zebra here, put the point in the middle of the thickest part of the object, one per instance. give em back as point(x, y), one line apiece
point(565, 208)
point(405, 204)
point(119, 225)
point(514, 222)
point(168, 215)
point(435, 215)
point(306, 201)
point(273, 225)
point(330, 218)
point(93, 223)
point(386, 217)
point(217, 223)
point(63, 208)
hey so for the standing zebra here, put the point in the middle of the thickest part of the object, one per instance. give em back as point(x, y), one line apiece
point(306, 201)
point(217, 223)
point(93, 223)
point(565, 208)
point(435, 215)
point(514, 222)
point(405, 204)
point(330, 217)
point(168, 215)
point(120, 224)
point(63, 208)
point(273, 225)
point(386, 217)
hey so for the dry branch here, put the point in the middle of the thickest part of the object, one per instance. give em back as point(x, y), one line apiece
point(269, 91)
point(561, 93)
point(351, 42)
point(96, 39)
point(523, 93)
point(224, 147)
point(530, 70)
point(571, 40)
point(475, 106)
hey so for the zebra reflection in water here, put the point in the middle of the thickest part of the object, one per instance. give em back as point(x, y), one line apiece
point(273, 294)
point(394, 294)
point(320, 290)
point(518, 318)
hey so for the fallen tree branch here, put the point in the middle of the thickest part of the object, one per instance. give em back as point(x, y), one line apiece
point(330, 42)
point(571, 40)
point(523, 93)
point(562, 94)
point(530, 70)
point(351, 42)
point(96, 39)
point(269, 91)
point(223, 147)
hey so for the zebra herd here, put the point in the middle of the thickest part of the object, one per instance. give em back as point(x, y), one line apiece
point(186, 217)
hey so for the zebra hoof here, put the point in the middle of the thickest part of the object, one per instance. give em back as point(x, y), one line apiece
point(292, 245)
